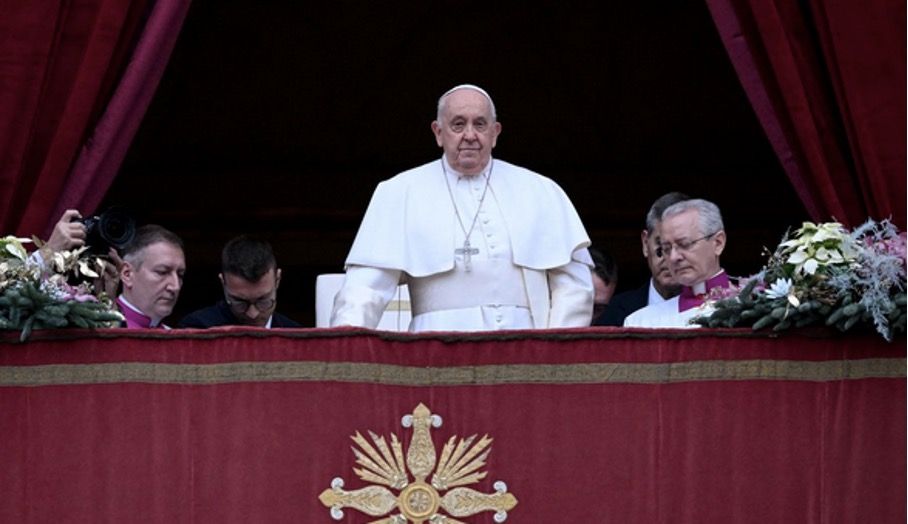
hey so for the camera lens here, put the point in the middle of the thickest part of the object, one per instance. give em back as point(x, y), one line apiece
point(113, 228)
point(116, 228)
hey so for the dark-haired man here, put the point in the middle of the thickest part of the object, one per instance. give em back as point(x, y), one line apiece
point(250, 278)
point(662, 285)
point(152, 276)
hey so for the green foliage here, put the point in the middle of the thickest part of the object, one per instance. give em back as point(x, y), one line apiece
point(35, 294)
point(23, 307)
point(825, 276)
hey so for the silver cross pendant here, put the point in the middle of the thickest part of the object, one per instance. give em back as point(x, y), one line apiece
point(467, 253)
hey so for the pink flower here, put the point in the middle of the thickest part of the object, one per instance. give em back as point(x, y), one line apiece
point(722, 293)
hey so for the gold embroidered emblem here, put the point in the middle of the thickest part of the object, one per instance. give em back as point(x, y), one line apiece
point(419, 501)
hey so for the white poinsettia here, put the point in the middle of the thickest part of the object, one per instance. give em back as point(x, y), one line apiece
point(823, 274)
point(816, 246)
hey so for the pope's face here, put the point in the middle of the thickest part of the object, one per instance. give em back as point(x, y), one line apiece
point(466, 131)
point(153, 284)
point(693, 254)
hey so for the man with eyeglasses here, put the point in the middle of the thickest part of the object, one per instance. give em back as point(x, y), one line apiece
point(661, 286)
point(692, 239)
point(250, 278)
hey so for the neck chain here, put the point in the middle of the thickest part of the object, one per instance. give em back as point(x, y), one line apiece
point(466, 250)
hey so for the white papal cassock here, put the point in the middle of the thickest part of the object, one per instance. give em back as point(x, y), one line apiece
point(529, 266)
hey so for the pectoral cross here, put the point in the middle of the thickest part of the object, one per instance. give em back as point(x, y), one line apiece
point(467, 253)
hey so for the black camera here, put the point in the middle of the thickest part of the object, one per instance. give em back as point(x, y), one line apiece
point(114, 227)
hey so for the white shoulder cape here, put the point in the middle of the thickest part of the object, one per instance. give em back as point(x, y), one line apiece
point(409, 224)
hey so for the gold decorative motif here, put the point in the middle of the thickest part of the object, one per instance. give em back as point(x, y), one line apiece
point(419, 501)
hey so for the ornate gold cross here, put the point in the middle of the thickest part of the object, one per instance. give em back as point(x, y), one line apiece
point(419, 501)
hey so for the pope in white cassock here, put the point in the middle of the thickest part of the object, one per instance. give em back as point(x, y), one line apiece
point(481, 243)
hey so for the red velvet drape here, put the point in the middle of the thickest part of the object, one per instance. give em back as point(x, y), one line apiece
point(61, 63)
point(101, 155)
point(245, 425)
point(827, 82)
point(56, 60)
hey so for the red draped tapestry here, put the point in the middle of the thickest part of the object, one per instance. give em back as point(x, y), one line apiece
point(62, 63)
point(827, 82)
point(240, 425)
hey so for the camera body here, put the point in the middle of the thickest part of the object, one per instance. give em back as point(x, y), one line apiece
point(113, 228)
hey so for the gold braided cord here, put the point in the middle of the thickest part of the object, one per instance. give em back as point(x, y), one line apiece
point(391, 374)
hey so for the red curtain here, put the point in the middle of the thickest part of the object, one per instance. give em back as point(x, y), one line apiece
point(60, 63)
point(594, 425)
point(100, 156)
point(827, 82)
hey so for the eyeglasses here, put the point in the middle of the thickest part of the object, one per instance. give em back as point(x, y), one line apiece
point(239, 305)
point(665, 248)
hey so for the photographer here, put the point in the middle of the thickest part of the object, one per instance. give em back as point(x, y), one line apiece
point(70, 233)
point(151, 269)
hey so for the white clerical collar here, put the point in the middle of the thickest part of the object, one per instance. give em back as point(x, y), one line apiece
point(455, 176)
point(654, 297)
point(154, 321)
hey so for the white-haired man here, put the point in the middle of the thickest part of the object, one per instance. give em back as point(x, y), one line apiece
point(692, 236)
point(483, 244)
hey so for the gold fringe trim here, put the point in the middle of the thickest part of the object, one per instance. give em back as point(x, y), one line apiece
point(600, 373)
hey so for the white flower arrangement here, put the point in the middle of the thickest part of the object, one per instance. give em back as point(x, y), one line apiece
point(35, 293)
point(818, 245)
point(824, 274)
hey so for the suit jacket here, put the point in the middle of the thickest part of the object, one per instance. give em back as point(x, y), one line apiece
point(622, 305)
point(220, 315)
